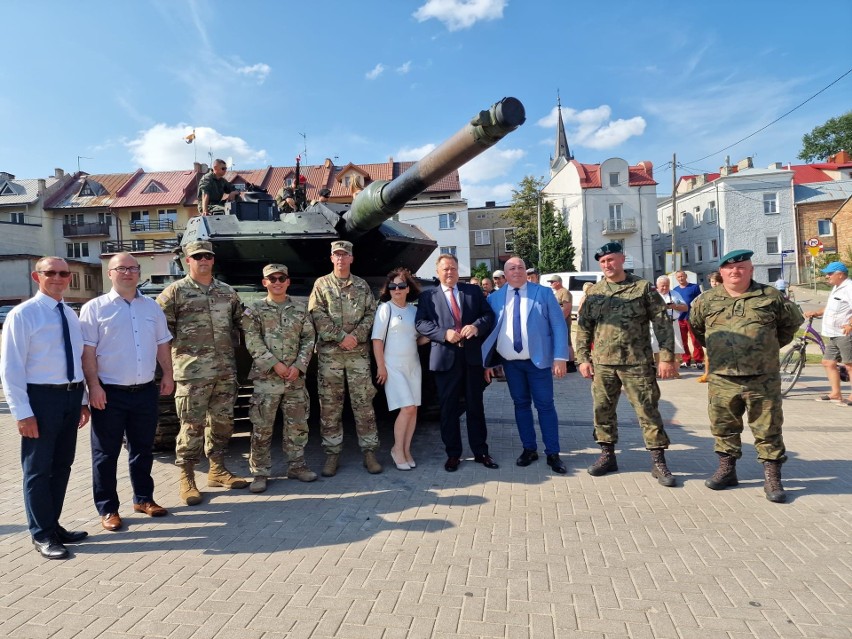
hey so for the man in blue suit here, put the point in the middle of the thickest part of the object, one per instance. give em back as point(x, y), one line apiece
point(530, 338)
point(456, 318)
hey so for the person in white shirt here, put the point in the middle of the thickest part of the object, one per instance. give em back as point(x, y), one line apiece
point(124, 336)
point(42, 374)
point(836, 329)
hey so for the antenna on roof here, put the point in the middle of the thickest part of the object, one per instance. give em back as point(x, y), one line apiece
point(81, 157)
point(305, 145)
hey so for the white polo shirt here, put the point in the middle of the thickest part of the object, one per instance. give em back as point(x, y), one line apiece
point(838, 309)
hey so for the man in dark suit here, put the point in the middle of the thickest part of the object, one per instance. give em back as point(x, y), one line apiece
point(456, 318)
point(530, 339)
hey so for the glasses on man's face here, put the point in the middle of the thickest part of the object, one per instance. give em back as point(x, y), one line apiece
point(277, 279)
point(202, 256)
point(62, 274)
point(401, 286)
point(126, 269)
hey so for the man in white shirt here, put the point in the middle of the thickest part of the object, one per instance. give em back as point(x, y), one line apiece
point(499, 278)
point(42, 374)
point(836, 329)
point(124, 336)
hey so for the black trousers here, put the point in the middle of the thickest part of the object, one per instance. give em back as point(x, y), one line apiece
point(462, 380)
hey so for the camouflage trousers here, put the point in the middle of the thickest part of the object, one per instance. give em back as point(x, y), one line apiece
point(640, 384)
point(758, 396)
point(206, 412)
point(334, 371)
point(295, 410)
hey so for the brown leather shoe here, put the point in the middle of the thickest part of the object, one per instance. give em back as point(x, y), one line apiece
point(111, 522)
point(452, 464)
point(150, 508)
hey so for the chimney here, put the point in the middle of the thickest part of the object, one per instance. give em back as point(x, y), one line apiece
point(6, 176)
point(776, 165)
point(58, 173)
point(648, 167)
point(745, 164)
point(841, 157)
point(42, 186)
point(204, 168)
point(196, 167)
point(490, 204)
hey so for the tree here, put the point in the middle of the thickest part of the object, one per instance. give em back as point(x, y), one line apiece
point(480, 271)
point(557, 249)
point(827, 139)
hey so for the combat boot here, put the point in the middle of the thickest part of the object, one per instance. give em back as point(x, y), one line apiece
point(258, 484)
point(605, 463)
point(302, 473)
point(331, 462)
point(660, 471)
point(772, 482)
point(371, 463)
point(189, 493)
point(725, 475)
point(220, 477)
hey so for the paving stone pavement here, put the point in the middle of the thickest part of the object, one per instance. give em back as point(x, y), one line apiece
point(512, 553)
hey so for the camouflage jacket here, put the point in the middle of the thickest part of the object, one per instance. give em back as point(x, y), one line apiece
point(204, 326)
point(615, 317)
point(339, 307)
point(278, 333)
point(215, 188)
point(744, 335)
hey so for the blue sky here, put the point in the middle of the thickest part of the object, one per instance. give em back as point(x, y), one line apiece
point(121, 83)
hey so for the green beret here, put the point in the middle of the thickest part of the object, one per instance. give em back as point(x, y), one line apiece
point(606, 249)
point(740, 255)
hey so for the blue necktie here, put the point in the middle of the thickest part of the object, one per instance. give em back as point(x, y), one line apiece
point(517, 342)
point(66, 337)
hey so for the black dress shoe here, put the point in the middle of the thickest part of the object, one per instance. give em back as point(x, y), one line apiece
point(452, 464)
point(556, 463)
point(70, 536)
point(527, 457)
point(486, 461)
point(51, 548)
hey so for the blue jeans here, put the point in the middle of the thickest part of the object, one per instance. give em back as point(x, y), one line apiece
point(529, 384)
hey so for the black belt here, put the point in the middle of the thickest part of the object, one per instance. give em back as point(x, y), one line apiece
point(69, 386)
point(133, 388)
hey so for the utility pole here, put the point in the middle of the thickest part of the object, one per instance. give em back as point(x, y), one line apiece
point(538, 216)
point(674, 211)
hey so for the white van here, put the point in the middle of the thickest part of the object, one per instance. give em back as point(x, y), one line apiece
point(574, 283)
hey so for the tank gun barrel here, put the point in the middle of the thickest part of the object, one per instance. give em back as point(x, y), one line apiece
point(381, 200)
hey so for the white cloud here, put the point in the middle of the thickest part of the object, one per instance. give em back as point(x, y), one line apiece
point(414, 154)
point(614, 133)
point(163, 148)
point(375, 72)
point(460, 14)
point(404, 68)
point(593, 128)
point(257, 71)
point(494, 163)
point(479, 194)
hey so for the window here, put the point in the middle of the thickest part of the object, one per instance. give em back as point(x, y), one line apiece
point(77, 249)
point(669, 224)
point(447, 221)
point(104, 218)
point(696, 216)
point(714, 249)
point(773, 274)
point(450, 250)
point(481, 216)
point(105, 246)
point(17, 217)
point(289, 182)
point(75, 219)
point(75, 281)
point(89, 282)
point(169, 215)
point(770, 204)
point(239, 186)
point(481, 238)
point(138, 216)
point(86, 191)
point(683, 220)
point(772, 245)
point(699, 253)
point(137, 245)
point(824, 227)
point(613, 179)
point(684, 256)
point(615, 221)
point(712, 213)
point(153, 187)
point(510, 241)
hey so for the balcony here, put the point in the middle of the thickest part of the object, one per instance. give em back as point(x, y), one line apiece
point(137, 246)
point(144, 226)
point(619, 227)
point(91, 229)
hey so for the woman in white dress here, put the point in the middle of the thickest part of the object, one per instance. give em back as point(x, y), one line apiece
point(395, 343)
point(674, 307)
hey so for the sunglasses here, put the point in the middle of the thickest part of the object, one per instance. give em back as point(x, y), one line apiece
point(62, 274)
point(401, 286)
point(277, 279)
point(127, 269)
point(202, 256)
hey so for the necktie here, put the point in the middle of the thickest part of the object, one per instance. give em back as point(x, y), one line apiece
point(66, 338)
point(517, 342)
point(456, 310)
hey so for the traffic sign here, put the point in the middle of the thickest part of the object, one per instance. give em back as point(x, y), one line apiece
point(814, 250)
point(814, 241)
point(787, 252)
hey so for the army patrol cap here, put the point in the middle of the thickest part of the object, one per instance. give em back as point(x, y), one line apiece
point(835, 267)
point(325, 193)
point(194, 248)
point(606, 249)
point(270, 269)
point(740, 255)
point(555, 278)
point(341, 245)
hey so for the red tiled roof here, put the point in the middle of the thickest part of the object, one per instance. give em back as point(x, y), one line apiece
point(590, 174)
point(176, 186)
point(68, 196)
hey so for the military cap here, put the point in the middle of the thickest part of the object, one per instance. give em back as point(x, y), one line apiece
point(555, 278)
point(194, 248)
point(532, 271)
point(835, 267)
point(341, 245)
point(739, 255)
point(606, 249)
point(269, 269)
point(325, 193)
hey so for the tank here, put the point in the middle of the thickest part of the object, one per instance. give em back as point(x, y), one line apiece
point(252, 233)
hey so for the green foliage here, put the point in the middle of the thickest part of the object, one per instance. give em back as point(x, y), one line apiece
point(829, 138)
point(480, 271)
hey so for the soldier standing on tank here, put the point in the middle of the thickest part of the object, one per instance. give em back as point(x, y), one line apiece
point(280, 338)
point(342, 307)
point(214, 190)
point(202, 313)
point(615, 316)
point(744, 325)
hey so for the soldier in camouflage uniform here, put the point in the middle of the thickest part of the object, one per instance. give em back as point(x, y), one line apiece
point(280, 337)
point(203, 313)
point(214, 190)
point(286, 200)
point(343, 307)
point(615, 316)
point(743, 325)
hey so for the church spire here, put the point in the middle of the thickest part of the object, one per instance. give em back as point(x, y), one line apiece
point(562, 150)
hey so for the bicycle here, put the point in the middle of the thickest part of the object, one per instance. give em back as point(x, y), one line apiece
point(793, 361)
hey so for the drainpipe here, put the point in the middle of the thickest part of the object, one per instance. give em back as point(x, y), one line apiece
point(642, 235)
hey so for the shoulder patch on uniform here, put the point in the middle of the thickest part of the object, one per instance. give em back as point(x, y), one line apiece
point(247, 312)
